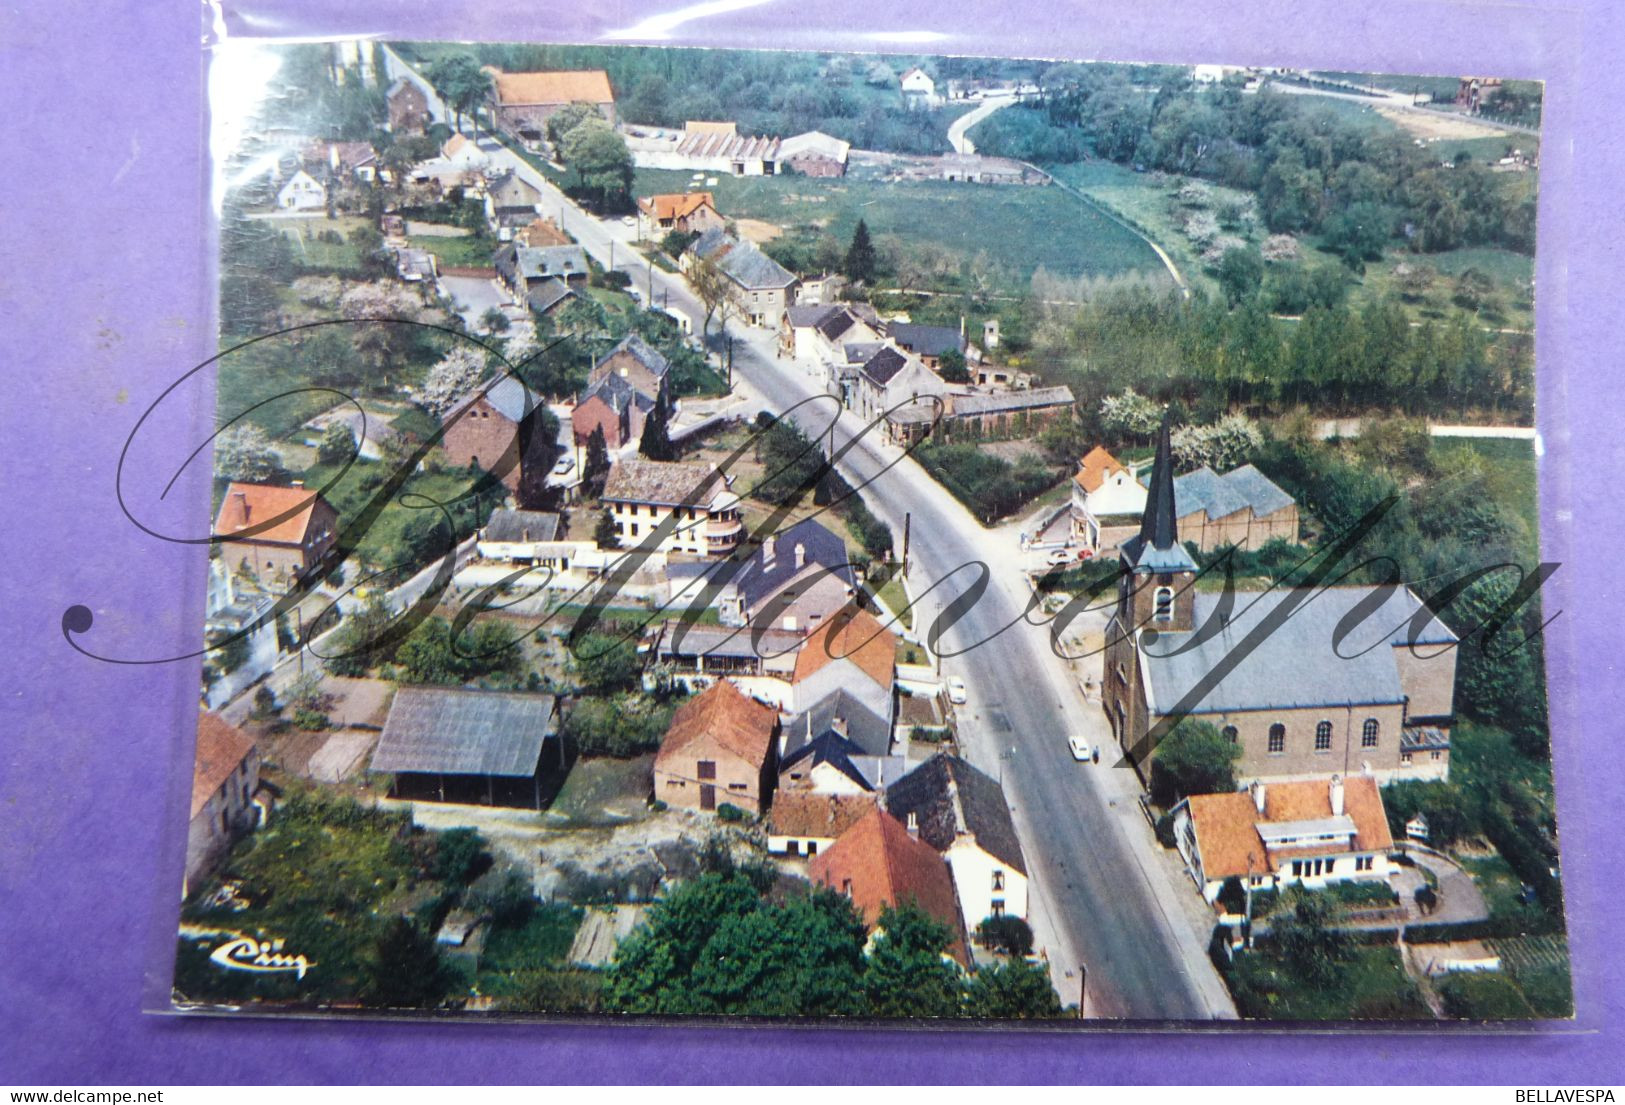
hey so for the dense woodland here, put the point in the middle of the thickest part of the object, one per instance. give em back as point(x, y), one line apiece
point(1313, 170)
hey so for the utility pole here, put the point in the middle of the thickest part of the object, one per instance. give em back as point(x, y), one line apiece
point(730, 362)
point(1083, 987)
point(908, 526)
point(612, 255)
point(299, 612)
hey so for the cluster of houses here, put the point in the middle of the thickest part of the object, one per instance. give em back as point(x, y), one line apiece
point(1325, 693)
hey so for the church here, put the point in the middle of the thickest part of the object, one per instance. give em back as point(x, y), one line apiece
point(1307, 682)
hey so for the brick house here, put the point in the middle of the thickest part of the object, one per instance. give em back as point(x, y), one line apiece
point(225, 776)
point(762, 289)
point(1339, 680)
point(688, 212)
point(278, 534)
point(613, 405)
point(928, 343)
point(804, 823)
point(814, 154)
point(408, 107)
point(879, 863)
point(523, 269)
point(720, 748)
point(852, 652)
point(497, 427)
point(636, 361)
point(1312, 833)
point(524, 102)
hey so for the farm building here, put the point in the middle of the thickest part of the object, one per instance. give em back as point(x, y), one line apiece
point(446, 744)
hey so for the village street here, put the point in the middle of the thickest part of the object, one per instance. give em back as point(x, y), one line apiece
point(1107, 901)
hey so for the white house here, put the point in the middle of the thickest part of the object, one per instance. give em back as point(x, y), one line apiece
point(804, 823)
point(918, 86)
point(642, 494)
point(1107, 501)
point(1314, 833)
point(963, 814)
point(301, 192)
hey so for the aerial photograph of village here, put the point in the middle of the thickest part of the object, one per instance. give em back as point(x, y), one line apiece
point(719, 533)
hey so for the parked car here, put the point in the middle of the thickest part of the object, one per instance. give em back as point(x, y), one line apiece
point(629, 220)
point(1060, 558)
point(957, 694)
point(1079, 746)
point(566, 462)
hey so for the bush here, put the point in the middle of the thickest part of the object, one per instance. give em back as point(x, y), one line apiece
point(1010, 935)
point(1483, 996)
point(264, 701)
point(313, 720)
point(730, 812)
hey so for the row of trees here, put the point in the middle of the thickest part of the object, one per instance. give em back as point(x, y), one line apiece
point(1202, 353)
point(1312, 170)
point(717, 945)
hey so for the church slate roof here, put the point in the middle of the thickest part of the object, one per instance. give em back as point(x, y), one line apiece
point(1298, 663)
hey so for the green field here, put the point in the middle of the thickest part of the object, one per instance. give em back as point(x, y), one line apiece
point(469, 251)
point(1439, 88)
point(1018, 229)
point(1510, 468)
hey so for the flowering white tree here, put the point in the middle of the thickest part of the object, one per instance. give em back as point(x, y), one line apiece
point(1129, 414)
point(451, 378)
point(1201, 227)
point(1230, 441)
point(245, 453)
point(1279, 247)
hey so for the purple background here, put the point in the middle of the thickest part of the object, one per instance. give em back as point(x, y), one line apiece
point(104, 300)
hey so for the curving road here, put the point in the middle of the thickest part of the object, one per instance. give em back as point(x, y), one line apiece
point(957, 131)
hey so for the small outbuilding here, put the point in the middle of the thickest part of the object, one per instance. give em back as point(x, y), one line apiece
point(488, 748)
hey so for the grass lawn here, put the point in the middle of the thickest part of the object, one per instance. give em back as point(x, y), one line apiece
point(1145, 200)
point(1511, 470)
point(604, 790)
point(309, 250)
point(1486, 996)
point(1510, 272)
point(1540, 967)
point(1371, 984)
point(1018, 229)
point(543, 940)
point(896, 600)
point(1501, 888)
point(470, 251)
point(382, 543)
point(268, 370)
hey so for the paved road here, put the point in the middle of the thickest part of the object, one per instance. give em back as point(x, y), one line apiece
point(1090, 854)
point(957, 130)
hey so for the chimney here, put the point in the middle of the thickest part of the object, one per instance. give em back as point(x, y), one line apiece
point(1337, 796)
point(1258, 795)
point(242, 503)
point(768, 548)
point(524, 533)
point(838, 723)
point(914, 825)
point(801, 557)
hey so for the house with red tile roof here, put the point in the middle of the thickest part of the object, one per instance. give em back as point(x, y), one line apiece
point(1107, 502)
point(524, 102)
point(849, 651)
point(879, 863)
point(689, 212)
point(807, 822)
point(225, 775)
point(721, 747)
point(275, 534)
point(1311, 833)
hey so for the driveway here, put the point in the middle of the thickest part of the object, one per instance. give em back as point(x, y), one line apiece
point(476, 294)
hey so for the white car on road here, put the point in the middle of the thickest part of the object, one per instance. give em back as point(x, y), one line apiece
point(956, 690)
point(1060, 558)
point(1080, 748)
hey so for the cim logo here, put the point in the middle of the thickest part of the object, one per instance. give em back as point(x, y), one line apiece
point(248, 954)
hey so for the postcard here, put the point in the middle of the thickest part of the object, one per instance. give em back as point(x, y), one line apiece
point(747, 534)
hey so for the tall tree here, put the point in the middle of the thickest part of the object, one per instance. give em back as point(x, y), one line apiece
point(656, 440)
point(1194, 758)
point(907, 975)
point(462, 82)
point(860, 256)
point(597, 466)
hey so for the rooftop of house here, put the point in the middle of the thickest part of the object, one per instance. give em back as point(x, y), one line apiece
point(853, 635)
point(726, 715)
point(878, 864)
point(542, 231)
point(639, 350)
point(507, 395)
point(926, 341)
point(750, 268)
point(842, 714)
point(221, 749)
point(451, 731)
point(676, 205)
point(541, 262)
point(1020, 400)
point(1218, 496)
point(247, 505)
point(885, 365)
point(1095, 467)
point(588, 86)
point(1311, 658)
point(948, 797)
point(723, 642)
point(617, 391)
point(783, 557)
point(521, 526)
point(1235, 839)
point(547, 294)
point(809, 314)
point(665, 483)
point(805, 813)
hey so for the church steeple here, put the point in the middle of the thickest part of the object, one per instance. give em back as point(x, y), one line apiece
point(1156, 548)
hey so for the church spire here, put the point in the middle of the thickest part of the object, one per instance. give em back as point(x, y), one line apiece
point(1158, 527)
point(1156, 547)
